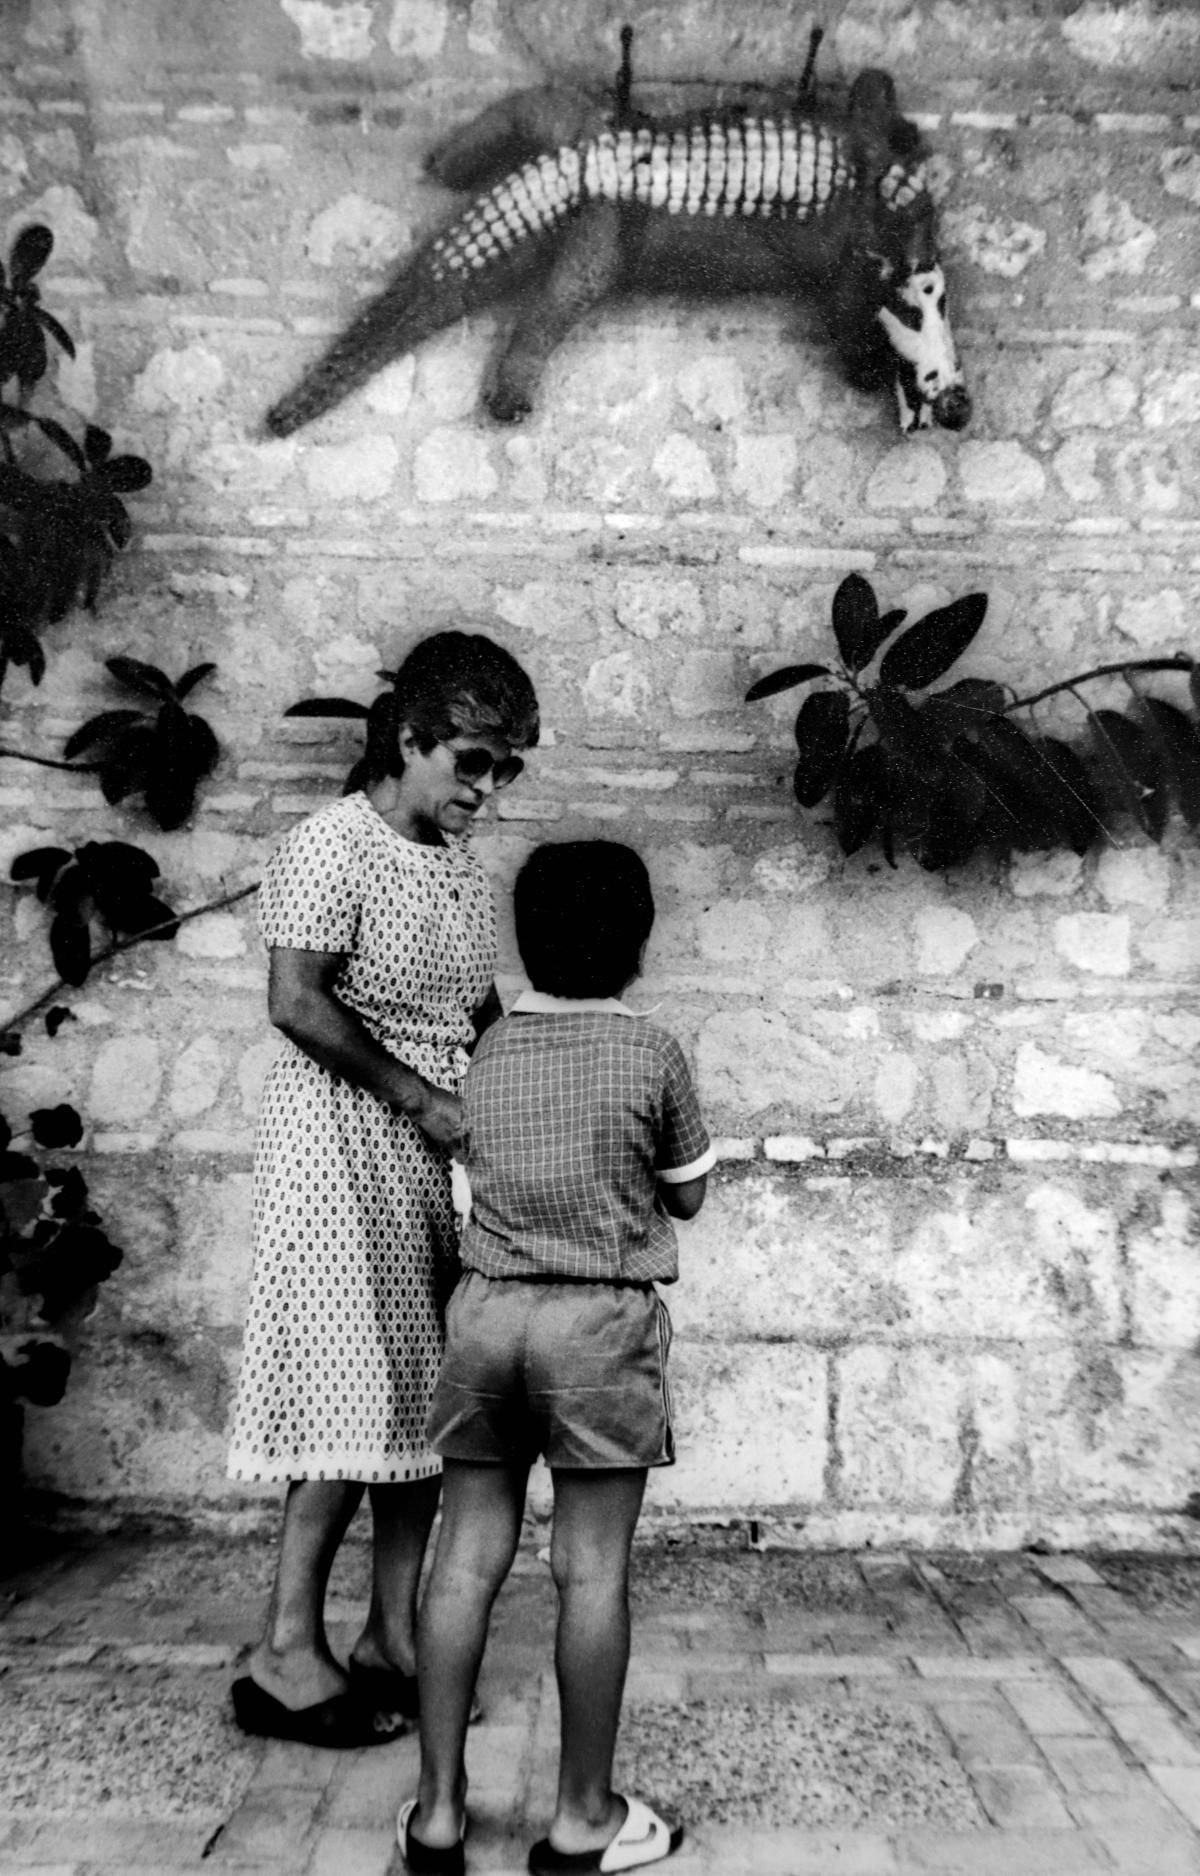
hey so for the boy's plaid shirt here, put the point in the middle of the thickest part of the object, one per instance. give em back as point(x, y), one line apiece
point(574, 1109)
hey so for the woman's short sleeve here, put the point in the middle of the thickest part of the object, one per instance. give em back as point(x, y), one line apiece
point(312, 889)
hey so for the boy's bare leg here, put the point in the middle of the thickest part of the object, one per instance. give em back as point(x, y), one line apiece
point(481, 1526)
point(402, 1518)
point(293, 1661)
point(595, 1514)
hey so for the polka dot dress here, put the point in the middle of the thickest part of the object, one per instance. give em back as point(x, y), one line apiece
point(355, 1243)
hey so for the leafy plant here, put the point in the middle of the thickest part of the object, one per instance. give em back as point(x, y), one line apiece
point(58, 535)
point(946, 772)
point(161, 753)
point(103, 887)
point(339, 707)
point(54, 1254)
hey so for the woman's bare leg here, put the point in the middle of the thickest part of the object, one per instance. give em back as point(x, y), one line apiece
point(293, 1661)
point(481, 1526)
point(402, 1517)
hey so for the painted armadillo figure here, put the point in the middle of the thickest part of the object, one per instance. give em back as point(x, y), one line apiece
point(575, 201)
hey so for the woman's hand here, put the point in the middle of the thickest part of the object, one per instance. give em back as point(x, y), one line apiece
point(440, 1118)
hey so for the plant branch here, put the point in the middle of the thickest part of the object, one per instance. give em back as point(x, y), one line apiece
point(111, 950)
point(1180, 662)
point(49, 762)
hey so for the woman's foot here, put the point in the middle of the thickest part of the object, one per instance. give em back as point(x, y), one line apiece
point(297, 1678)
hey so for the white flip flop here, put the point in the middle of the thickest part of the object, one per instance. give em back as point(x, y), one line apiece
point(642, 1839)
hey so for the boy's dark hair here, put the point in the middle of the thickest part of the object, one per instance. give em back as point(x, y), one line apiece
point(583, 911)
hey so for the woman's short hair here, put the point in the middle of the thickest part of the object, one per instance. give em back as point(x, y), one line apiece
point(450, 684)
point(583, 911)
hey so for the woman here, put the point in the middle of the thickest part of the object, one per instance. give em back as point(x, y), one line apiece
point(382, 947)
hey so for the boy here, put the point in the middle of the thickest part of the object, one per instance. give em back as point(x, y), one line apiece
point(584, 1140)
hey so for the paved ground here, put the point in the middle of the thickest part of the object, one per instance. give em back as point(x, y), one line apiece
point(808, 1714)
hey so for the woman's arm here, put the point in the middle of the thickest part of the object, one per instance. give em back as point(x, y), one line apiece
point(490, 1011)
point(301, 1003)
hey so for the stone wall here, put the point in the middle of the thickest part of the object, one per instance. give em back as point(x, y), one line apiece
point(946, 1283)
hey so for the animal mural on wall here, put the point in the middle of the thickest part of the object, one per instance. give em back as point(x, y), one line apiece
point(578, 199)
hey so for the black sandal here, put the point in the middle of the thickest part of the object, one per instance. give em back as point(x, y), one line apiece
point(424, 1859)
point(342, 1722)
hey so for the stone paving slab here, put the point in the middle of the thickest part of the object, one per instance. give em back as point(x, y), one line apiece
point(812, 1714)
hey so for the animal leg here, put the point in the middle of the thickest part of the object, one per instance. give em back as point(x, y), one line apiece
point(587, 264)
point(513, 132)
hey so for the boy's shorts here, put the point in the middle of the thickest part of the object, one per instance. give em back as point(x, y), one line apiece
point(575, 1371)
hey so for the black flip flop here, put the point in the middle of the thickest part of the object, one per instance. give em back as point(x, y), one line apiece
point(342, 1721)
point(424, 1859)
point(384, 1690)
point(390, 1690)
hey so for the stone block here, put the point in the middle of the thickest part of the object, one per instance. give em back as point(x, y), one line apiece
point(1107, 1425)
point(926, 1427)
point(726, 1395)
point(1163, 1274)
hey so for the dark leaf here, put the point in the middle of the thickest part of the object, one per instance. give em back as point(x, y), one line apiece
point(859, 797)
point(190, 679)
point(962, 706)
point(1130, 768)
point(138, 918)
point(56, 1017)
point(785, 679)
point(56, 331)
point(126, 769)
point(204, 749)
point(23, 647)
point(822, 730)
point(105, 729)
point(1022, 805)
point(146, 678)
point(40, 1374)
point(126, 475)
point(1194, 686)
point(906, 736)
point(1067, 789)
point(97, 444)
point(15, 1166)
point(30, 252)
point(118, 864)
point(10, 1042)
point(62, 438)
point(169, 799)
point(1179, 743)
point(5, 1134)
point(945, 840)
point(931, 645)
point(29, 343)
point(70, 1191)
point(56, 1126)
point(856, 623)
point(40, 863)
point(79, 1257)
point(71, 947)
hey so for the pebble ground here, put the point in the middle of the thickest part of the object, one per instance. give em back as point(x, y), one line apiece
point(807, 1714)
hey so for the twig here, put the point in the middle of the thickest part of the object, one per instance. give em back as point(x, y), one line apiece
point(1180, 662)
point(48, 762)
point(12, 1023)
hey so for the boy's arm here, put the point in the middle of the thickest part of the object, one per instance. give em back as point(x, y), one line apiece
point(682, 1198)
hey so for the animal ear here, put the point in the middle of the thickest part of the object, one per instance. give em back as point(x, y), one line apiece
point(873, 97)
point(882, 264)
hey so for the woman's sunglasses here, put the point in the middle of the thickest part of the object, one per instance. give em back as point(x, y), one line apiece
point(471, 765)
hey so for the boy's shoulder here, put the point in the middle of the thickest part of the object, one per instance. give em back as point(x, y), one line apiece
point(539, 1019)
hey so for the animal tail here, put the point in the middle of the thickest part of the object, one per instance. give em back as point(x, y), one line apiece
point(481, 257)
